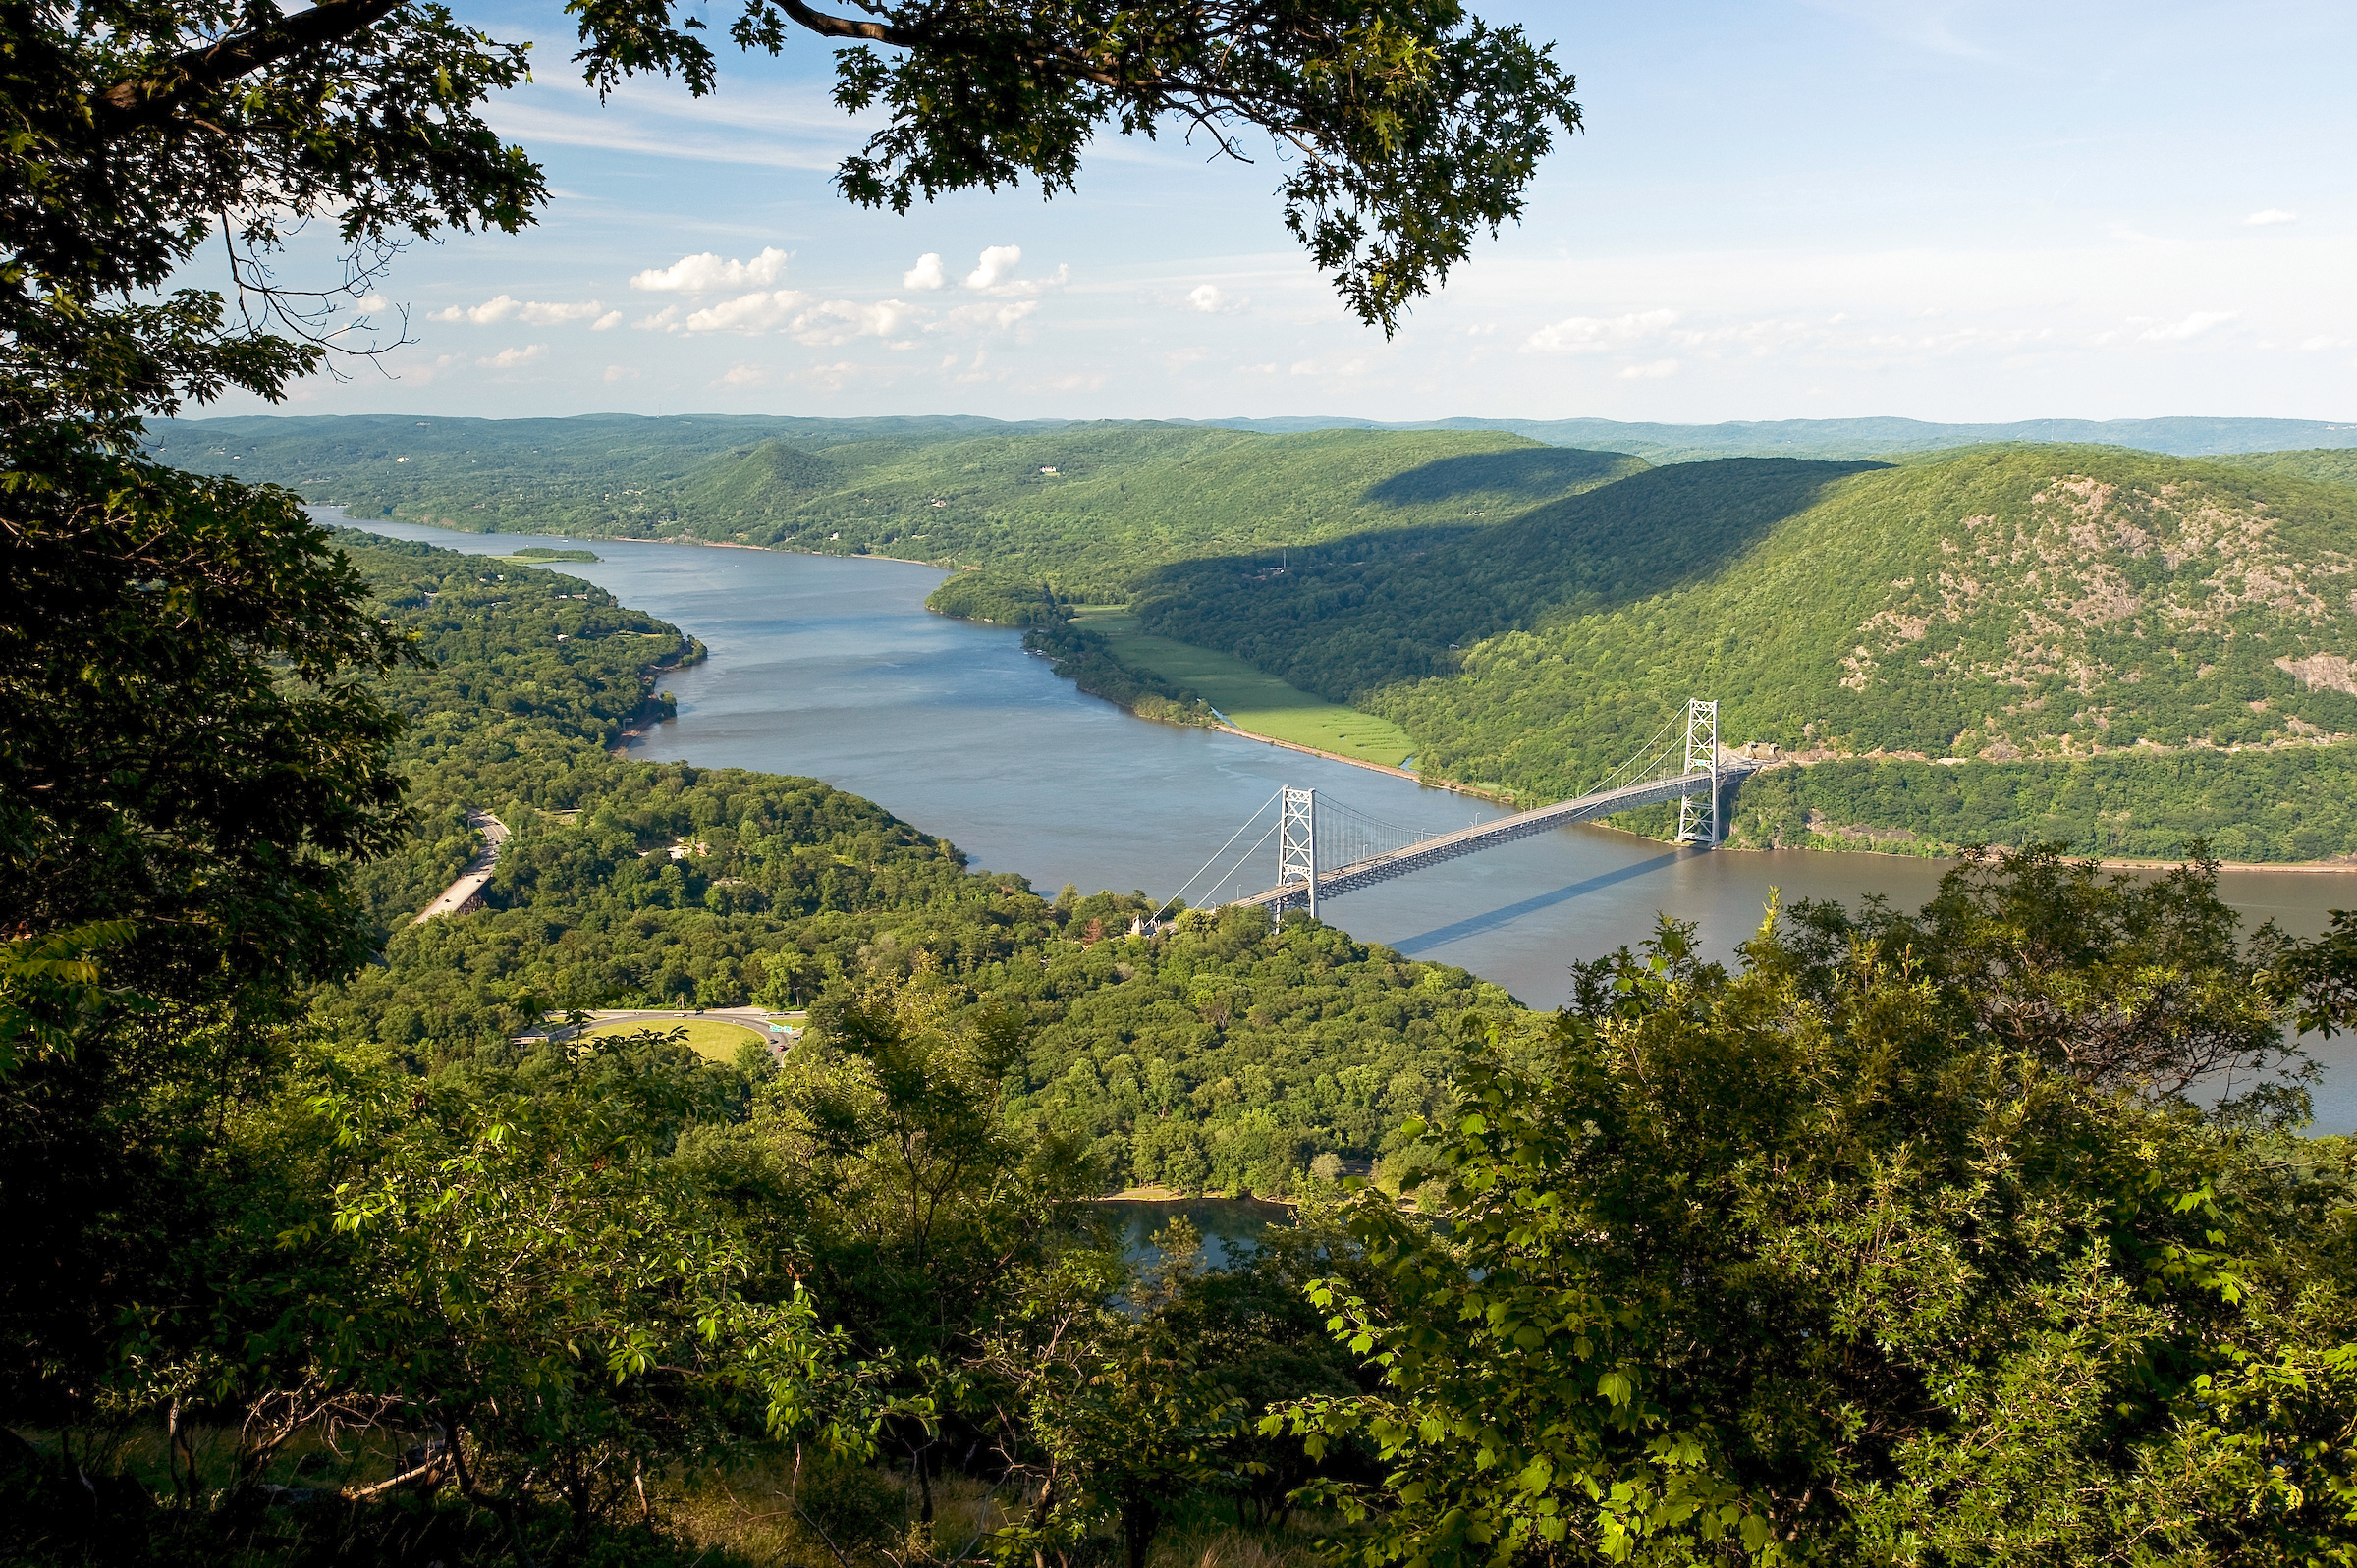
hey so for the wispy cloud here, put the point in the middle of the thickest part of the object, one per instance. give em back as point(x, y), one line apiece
point(1925, 26)
point(532, 312)
point(978, 317)
point(2270, 216)
point(1599, 334)
point(750, 312)
point(765, 131)
point(1653, 370)
point(2192, 326)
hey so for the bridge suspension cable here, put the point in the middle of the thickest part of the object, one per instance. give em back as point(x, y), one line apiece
point(1327, 847)
point(1221, 850)
point(1347, 833)
point(1647, 760)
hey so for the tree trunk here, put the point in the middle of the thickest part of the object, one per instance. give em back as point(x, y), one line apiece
point(924, 1479)
point(1138, 1521)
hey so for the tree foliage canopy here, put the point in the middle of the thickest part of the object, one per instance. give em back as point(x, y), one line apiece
point(1898, 1247)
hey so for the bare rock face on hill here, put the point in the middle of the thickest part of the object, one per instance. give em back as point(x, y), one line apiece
point(2108, 610)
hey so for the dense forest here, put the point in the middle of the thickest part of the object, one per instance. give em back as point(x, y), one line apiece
point(2055, 623)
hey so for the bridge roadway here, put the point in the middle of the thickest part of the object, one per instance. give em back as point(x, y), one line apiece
point(1333, 884)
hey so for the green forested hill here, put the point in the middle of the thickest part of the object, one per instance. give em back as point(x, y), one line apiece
point(602, 473)
point(1352, 617)
point(2324, 464)
point(2067, 608)
point(1221, 1053)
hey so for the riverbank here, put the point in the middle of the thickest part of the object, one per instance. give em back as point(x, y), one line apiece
point(1453, 788)
point(1250, 700)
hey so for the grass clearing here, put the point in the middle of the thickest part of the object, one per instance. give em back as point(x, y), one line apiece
point(708, 1038)
point(1252, 700)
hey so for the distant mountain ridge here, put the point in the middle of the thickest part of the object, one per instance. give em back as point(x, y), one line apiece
point(2184, 437)
point(635, 449)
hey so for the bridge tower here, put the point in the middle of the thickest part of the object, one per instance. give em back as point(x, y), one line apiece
point(1701, 751)
point(1297, 842)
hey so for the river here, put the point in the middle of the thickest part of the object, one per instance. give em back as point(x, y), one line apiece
point(831, 667)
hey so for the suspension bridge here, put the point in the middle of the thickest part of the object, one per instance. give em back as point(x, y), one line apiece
point(1326, 849)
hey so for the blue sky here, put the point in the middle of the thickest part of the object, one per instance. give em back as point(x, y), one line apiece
point(1778, 210)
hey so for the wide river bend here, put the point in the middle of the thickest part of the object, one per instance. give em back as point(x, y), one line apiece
point(831, 667)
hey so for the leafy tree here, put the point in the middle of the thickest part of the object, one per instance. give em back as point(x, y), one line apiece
point(1102, 1416)
point(190, 743)
point(2124, 982)
point(1806, 1262)
point(524, 1273)
point(927, 1197)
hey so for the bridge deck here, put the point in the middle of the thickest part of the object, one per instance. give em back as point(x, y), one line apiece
point(1489, 834)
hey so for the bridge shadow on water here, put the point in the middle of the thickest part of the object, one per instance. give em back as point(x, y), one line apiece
point(1418, 946)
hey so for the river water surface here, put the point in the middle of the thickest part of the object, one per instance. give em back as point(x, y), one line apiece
point(831, 667)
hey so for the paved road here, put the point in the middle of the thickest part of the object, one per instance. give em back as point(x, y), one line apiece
point(750, 1017)
point(477, 874)
point(779, 1030)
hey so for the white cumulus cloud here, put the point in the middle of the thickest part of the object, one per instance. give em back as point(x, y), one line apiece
point(607, 322)
point(615, 373)
point(482, 315)
point(1599, 334)
point(926, 274)
point(1209, 298)
point(2270, 215)
point(995, 264)
point(1652, 372)
point(510, 358)
point(706, 272)
point(820, 323)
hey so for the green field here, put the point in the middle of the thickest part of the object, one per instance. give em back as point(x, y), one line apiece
point(708, 1038)
point(1250, 700)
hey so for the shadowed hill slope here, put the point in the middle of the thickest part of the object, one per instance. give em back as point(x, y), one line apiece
point(2011, 607)
point(1353, 616)
point(1092, 508)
